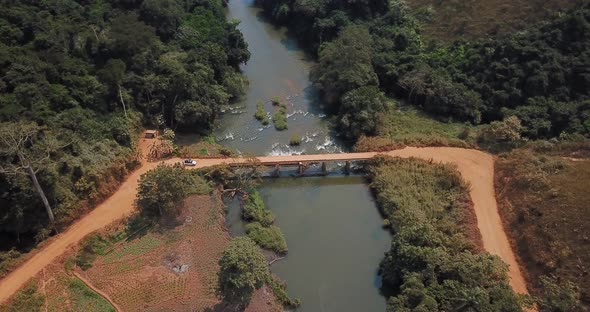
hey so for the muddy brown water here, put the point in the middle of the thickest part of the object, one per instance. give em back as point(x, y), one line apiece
point(332, 226)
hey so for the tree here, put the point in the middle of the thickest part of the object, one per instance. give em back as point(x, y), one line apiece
point(345, 64)
point(23, 154)
point(113, 74)
point(243, 269)
point(360, 111)
point(162, 190)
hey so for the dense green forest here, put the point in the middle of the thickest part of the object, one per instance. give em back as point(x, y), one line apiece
point(541, 75)
point(78, 79)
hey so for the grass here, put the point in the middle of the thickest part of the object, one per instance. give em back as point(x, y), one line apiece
point(410, 127)
point(270, 237)
point(446, 21)
point(543, 200)
point(26, 300)
point(85, 299)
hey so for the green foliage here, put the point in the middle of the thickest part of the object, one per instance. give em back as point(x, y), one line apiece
point(295, 140)
point(161, 191)
point(27, 300)
point(345, 64)
point(433, 263)
point(362, 112)
point(276, 101)
point(269, 237)
point(507, 130)
point(255, 211)
point(261, 113)
point(243, 269)
point(559, 296)
point(8, 260)
point(84, 299)
point(279, 290)
point(69, 66)
point(528, 74)
point(279, 118)
point(91, 247)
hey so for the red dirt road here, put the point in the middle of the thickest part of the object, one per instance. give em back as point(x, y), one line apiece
point(476, 167)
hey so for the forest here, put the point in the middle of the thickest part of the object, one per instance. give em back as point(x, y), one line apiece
point(540, 75)
point(78, 79)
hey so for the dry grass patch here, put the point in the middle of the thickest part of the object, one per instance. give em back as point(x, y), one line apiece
point(175, 269)
point(544, 202)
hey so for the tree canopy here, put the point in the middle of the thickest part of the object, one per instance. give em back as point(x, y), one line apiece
point(243, 270)
point(89, 74)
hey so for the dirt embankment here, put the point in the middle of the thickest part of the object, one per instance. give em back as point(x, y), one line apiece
point(476, 167)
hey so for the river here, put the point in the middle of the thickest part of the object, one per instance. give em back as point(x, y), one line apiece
point(331, 224)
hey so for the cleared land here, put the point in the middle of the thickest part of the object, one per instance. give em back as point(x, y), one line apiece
point(455, 19)
point(544, 203)
point(167, 270)
point(476, 167)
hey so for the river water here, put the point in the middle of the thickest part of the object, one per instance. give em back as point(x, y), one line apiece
point(331, 224)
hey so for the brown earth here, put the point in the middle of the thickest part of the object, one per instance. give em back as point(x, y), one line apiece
point(143, 274)
point(476, 167)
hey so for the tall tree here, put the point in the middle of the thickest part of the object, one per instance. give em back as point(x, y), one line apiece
point(23, 155)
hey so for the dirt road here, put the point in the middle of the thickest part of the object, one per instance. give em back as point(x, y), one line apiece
point(476, 167)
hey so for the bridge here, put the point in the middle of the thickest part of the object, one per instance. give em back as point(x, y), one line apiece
point(302, 162)
point(476, 167)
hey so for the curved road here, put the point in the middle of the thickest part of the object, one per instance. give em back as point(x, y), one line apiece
point(476, 167)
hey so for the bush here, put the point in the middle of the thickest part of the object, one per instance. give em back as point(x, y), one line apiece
point(260, 114)
point(276, 101)
point(255, 210)
point(92, 246)
point(243, 269)
point(280, 119)
point(270, 237)
point(295, 140)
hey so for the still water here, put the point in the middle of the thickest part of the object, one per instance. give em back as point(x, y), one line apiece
point(332, 226)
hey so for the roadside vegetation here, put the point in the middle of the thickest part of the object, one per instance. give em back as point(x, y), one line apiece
point(543, 200)
point(436, 262)
point(82, 79)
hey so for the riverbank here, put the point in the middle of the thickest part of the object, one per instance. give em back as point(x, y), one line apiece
point(476, 167)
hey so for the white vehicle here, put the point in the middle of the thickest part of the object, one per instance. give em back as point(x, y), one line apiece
point(190, 162)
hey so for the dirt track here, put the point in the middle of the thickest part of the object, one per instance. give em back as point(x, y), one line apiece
point(476, 167)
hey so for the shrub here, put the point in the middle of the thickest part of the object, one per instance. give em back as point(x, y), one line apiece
point(255, 210)
point(260, 114)
point(280, 119)
point(276, 101)
point(295, 140)
point(270, 238)
point(243, 269)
